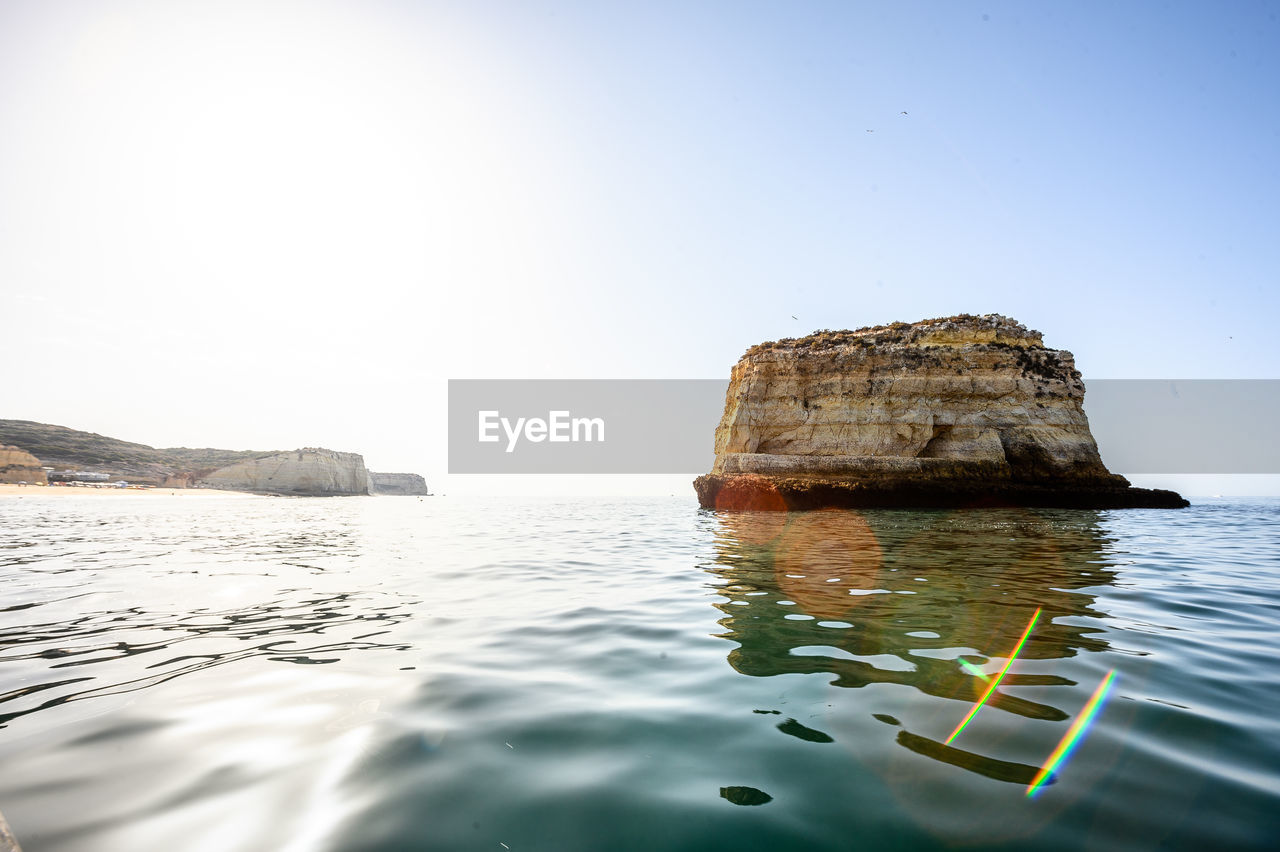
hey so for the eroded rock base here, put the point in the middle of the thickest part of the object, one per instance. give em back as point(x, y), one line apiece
point(740, 492)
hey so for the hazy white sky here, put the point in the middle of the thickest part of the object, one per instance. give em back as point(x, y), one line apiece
point(266, 225)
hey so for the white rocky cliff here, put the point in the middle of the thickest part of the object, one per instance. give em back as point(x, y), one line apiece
point(307, 472)
point(404, 484)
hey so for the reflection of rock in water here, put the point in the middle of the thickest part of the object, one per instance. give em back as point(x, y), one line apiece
point(803, 732)
point(999, 770)
point(745, 795)
point(896, 596)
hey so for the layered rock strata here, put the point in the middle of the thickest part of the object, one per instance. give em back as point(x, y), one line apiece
point(967, 410)
point(312, 472)
point(17, 465)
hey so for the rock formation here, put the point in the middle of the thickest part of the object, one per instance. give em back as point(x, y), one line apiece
point(8, 843)
point(969, 410)
point(18, 465)
point(309, 472)
point(397, 483)
point(61, 448)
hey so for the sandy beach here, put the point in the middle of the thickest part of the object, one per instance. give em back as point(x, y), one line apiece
point(13, 490)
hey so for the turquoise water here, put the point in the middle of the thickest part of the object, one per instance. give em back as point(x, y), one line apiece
point(202, 673)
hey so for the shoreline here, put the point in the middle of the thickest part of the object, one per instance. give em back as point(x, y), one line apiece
point(14, 490)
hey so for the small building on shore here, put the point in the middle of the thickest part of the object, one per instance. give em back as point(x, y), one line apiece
point(78, 476)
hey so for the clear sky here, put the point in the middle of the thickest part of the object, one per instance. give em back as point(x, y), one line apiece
point(266, 225)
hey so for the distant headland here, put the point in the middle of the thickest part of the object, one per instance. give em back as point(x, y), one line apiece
point(958, 411)
point(41, 453)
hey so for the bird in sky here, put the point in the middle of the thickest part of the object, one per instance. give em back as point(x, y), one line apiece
point(904, 112)
point(871, 131)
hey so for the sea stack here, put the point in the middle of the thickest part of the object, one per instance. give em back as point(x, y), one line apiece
point(962, 411)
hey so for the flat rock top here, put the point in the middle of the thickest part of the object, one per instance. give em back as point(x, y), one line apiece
point(959, 330)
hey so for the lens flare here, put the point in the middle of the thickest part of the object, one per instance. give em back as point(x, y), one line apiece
point(974, 670)
point(995, 681)
point(1073, 735)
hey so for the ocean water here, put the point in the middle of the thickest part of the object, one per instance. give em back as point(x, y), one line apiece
point(203, 673)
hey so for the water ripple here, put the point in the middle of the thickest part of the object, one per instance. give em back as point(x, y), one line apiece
point(630, 674)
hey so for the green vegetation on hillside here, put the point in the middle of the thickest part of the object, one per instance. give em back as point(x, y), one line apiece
point(59, 446)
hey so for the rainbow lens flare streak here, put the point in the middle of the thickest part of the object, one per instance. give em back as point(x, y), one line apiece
point(1073, 735)
point(995, 681)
